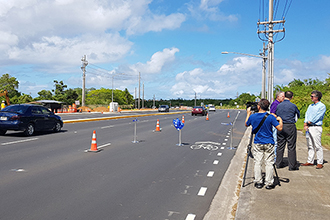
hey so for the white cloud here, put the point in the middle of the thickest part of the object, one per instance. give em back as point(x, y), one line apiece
point(157, 61)
point(42, 32)
point(209, 9)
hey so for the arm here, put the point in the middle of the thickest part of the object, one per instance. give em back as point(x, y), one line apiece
point(248, 111)
point(280, 126)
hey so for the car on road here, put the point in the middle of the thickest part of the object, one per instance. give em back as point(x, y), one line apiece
point(211, 108)
point(28, 118)
point(198, 110)
point(163, 108)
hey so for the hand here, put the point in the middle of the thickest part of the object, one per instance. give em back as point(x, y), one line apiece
point(248, 110)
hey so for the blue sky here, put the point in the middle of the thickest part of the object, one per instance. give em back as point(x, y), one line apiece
point(175, 45)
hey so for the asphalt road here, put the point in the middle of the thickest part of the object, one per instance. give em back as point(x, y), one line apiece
point(50, 176)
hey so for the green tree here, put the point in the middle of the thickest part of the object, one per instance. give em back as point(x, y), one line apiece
point(25, 98)
point(44, 95)
point(59, 90)
point(70, 96)
point(10, 84)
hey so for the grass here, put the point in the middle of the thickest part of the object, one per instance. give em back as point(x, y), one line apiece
point(325, 134)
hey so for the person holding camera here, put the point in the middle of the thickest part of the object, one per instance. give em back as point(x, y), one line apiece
point(263, 144)
point(289, 113)
point(313, 125)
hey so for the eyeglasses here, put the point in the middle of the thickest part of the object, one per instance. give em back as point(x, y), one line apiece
point(312, 96)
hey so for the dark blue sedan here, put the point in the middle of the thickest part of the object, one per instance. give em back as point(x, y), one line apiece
point(28, 118)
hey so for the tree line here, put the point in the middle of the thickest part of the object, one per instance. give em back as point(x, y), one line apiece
point(62, 93)
point(103, 96)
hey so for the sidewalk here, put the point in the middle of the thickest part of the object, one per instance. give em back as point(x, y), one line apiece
point(303, 194)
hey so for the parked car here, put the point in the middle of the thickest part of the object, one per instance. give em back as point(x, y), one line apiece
point(163, 108)
point(198, 110)
point(28, 118)
point(211, 108)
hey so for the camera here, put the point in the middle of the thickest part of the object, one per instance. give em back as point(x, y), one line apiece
point(253, 105)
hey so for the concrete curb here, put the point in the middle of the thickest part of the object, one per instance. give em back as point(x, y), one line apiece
point(225, 201)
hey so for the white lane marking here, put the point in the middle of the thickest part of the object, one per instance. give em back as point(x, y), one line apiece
point(219, 154)
point(202, 191)
point(21, 141)
point(210, 174)
point(110, 126)
point(190, 217)
point(227, 136)
point(18, 170)
point(222, 147)
point(223, 143)
point(215, 162)
point(226, 139)
point(104, 145)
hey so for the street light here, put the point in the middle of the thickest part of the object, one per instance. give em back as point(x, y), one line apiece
point(262, 55)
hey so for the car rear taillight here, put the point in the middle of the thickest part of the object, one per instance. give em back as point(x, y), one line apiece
point(15, 117)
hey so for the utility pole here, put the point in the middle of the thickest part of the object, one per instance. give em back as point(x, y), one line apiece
point(83, 68)
point(135, 98)
point(143, 95)
point(270, 33)
point(154, 103)
point(139, 91)
point(195, 99)
point(264, 60)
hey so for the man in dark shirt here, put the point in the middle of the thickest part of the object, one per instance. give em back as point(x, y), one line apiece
point(288, 112)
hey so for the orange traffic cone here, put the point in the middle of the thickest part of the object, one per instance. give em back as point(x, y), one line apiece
point(228, 115)
point(207, 116)
point(183, 119)
point(157, 126)
point(94, 145)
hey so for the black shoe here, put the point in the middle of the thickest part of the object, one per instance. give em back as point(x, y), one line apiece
point(258, 185)
point(272, 186)
point(293, 168)
point(281, 165)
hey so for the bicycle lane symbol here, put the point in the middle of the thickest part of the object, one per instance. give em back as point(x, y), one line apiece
point(207, 145)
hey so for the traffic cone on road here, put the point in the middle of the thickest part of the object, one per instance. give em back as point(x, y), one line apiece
point(157, 126)
point(228, 115)
point(207, 116)
point(183, 119)
point(94, 144)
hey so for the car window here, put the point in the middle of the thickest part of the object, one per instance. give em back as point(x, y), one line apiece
point(15, 108)
point(44, 111)
point(36, 110)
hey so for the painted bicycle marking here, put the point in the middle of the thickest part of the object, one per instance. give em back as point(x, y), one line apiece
point(206, 145)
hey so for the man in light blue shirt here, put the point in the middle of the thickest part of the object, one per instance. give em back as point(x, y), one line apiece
point(313, 127)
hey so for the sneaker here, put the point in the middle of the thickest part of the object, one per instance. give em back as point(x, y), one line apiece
point(258, 185)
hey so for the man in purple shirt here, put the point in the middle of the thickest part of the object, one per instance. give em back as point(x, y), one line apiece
point(278, 100)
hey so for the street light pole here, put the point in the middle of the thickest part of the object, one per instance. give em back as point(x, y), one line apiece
point(264, 60)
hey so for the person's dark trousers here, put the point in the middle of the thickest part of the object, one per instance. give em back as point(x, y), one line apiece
point(287, 135)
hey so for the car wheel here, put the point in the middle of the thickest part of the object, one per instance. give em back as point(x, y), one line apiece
point(3, 132)
point(29, 130)
point(57, 127)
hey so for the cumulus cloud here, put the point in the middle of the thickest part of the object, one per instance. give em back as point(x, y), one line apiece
point(209, 9)
point(239, 72)
point(40, 32)
point(157, 61)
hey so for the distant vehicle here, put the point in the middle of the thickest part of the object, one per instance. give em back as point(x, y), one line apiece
point(163, 108)
point(198, 110)
point(211, 108)
point(28, 118)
